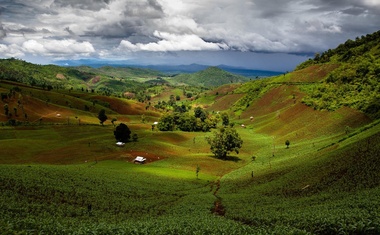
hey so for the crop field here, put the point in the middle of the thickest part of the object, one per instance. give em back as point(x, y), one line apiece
point(61, 171)
point(73, 179)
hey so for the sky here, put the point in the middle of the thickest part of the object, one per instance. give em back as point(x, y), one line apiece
point(258, 34)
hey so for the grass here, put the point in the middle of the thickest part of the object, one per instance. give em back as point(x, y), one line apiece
point(291, 192)
point(165, 197)
point(326, 182)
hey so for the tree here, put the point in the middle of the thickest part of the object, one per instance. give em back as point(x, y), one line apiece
point(197, 170)
point(187, 122)
point(200, 113)
point(225, 119)
point(102, 116)
point(287, 143)
point(122, 133)
point(113, 121)
point(166, 123)
point(224, 142)
point(6, 109)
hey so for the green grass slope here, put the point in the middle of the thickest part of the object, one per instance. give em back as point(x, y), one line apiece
point(121, 72)
point(73, 179)
point(328, 191)
point(210, 77)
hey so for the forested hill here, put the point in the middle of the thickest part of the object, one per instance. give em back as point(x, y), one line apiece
point(351, 51)
point(40, 75)
point(355, 81)
point(210, 77)
point(121, 72)
point(107, 80)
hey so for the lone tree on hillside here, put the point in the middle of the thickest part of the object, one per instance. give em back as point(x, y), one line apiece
point(224, 142)
point(122, 133)
point(6, 109)
point(113, 121)
point(102, 116)
point(287, 143)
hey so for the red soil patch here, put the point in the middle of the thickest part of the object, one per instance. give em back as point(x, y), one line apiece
point(274, 100)
point(300, 121)
point(60, 76)
point(126, 107)
point(283, 115)
point(95, 80)
point(35, 110)
point(225, 102)
point(312, 73)
point(129, 95)
point(223, 90)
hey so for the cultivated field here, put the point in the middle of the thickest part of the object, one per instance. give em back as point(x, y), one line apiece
point(62, 173)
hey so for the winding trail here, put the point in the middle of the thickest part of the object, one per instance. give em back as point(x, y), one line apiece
point(218, 208)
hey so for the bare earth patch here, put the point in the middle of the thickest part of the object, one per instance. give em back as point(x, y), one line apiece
point(60, 76)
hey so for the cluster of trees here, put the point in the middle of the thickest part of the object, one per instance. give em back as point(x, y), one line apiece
point(224, 140)
point(199, 120)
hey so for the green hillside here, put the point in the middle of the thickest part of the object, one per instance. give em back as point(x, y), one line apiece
point(121, 72)
point(308, 164)
point(348, 76)
point(356, 80)
point(210, 77)
point(105, 80)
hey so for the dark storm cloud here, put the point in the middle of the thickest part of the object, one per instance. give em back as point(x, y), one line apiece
point(123, 28)
point(93, 5)
point(67, 29)
point(349, 7)
point(354, 11)
point(269, 9)
point(2, 32)
point(134, 18)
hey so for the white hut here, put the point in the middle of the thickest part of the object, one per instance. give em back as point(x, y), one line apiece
point(139, 159)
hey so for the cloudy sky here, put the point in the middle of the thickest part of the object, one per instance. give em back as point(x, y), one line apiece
point(258, 34)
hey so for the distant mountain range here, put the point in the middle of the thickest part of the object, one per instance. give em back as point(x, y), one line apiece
point(169, 69)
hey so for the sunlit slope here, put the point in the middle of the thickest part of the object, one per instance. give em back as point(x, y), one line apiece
point(281, 113)
point(35, 105)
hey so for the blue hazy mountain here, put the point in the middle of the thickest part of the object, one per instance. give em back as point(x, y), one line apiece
point(169, 69)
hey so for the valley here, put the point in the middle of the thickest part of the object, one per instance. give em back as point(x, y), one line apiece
point(308, 163)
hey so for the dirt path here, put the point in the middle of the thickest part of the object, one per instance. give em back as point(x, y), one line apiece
point(218, 208)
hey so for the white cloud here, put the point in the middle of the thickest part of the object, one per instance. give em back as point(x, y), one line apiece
point(57, 47)
point(372, 3)
point(12, 50)
point(34, 47)
point(72, 29)
point(3, 48)
point(173, 42)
